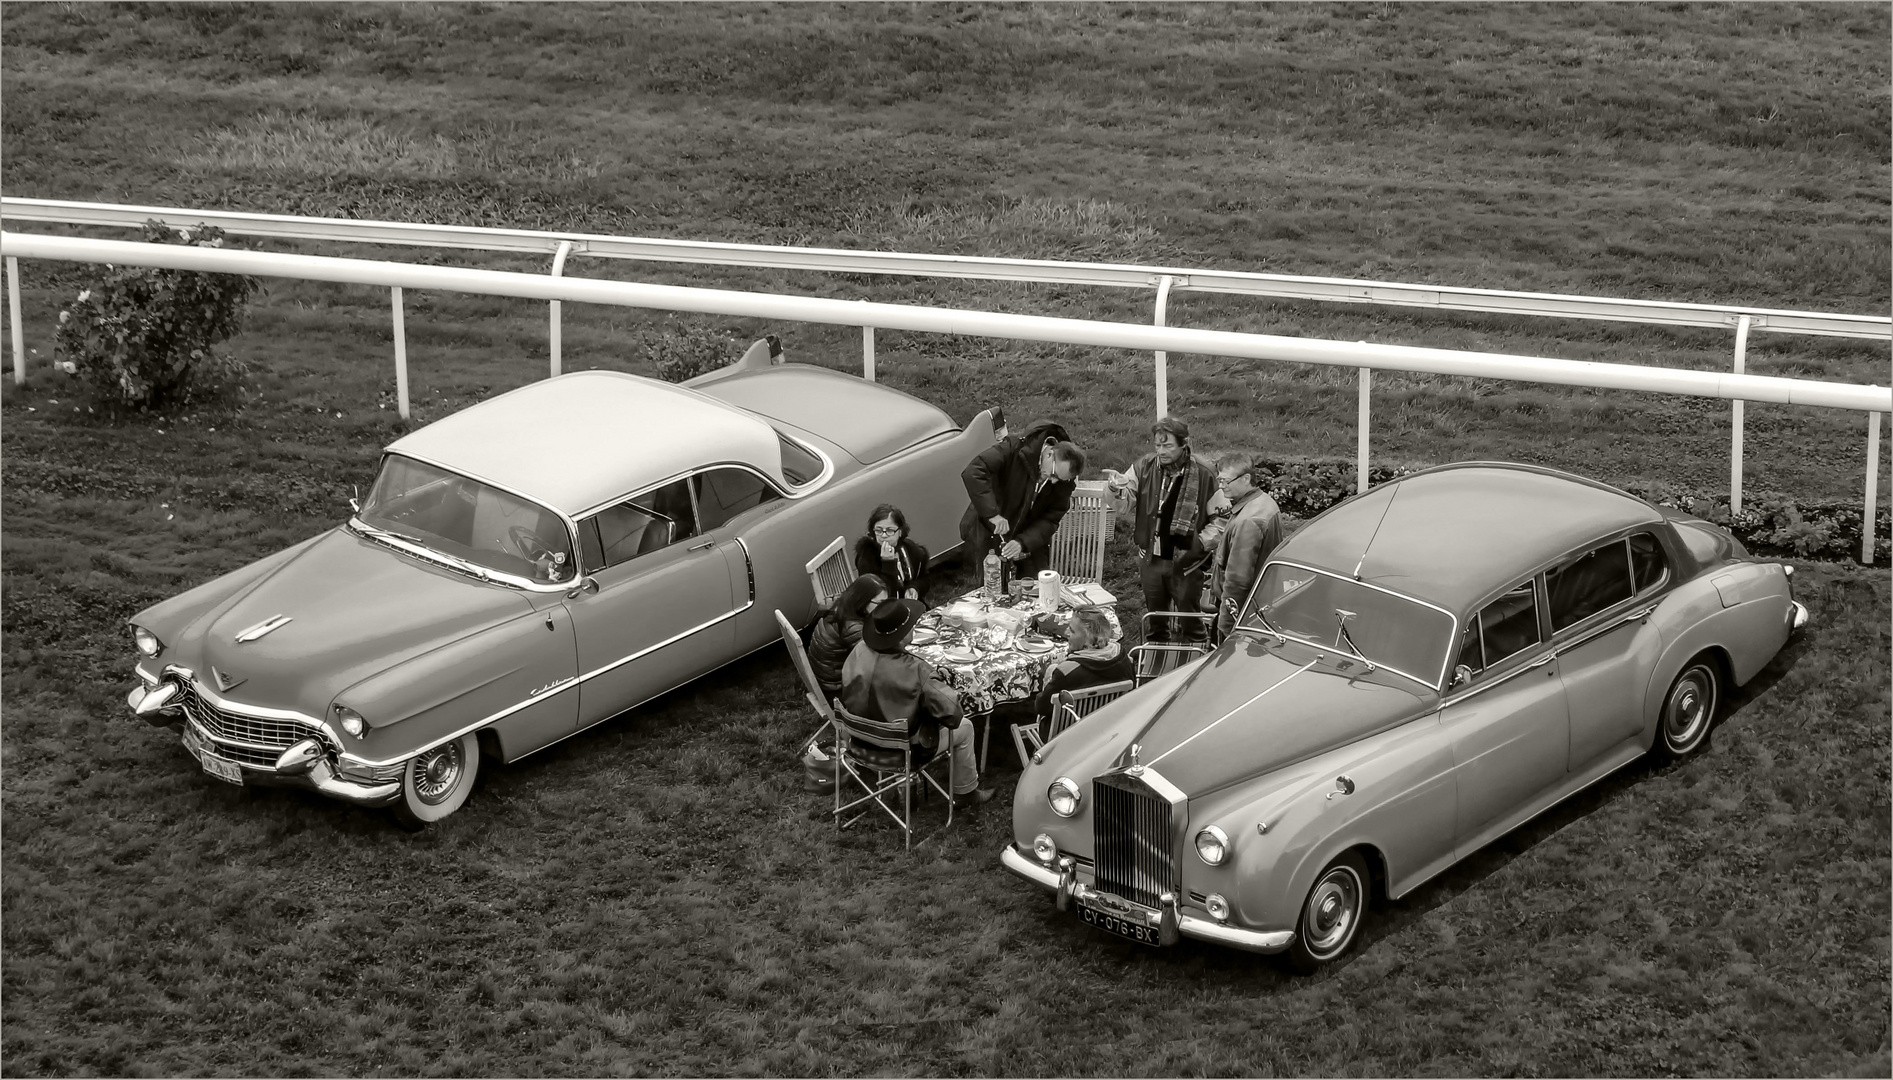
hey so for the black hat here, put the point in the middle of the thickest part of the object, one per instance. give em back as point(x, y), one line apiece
point(888, 625)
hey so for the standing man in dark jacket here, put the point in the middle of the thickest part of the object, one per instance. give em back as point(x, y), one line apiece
point(1020, 488)
point(1169, 493)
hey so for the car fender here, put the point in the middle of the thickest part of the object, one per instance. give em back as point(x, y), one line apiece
point(523, 670)
point(1402, 807)
point(1739, 609)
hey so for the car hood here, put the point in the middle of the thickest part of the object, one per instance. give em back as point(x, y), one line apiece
point(354, 608)
point(1255, 706)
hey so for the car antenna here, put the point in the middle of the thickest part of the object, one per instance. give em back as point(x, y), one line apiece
point(1370, 540)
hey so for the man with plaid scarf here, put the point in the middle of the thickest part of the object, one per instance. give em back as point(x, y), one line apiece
point(1169, 492)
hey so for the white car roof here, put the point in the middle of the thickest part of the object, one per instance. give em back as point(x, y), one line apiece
point(577, 441)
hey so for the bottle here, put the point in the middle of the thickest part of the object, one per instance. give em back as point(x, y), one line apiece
point(993, 575)
point(1005, 579)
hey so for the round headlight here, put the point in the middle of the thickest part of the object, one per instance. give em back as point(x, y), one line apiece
point(1064, 796)
point(1043, 849)
point(1212, 845)
point(351, 721)
point(1217, 907)
point(146, 641)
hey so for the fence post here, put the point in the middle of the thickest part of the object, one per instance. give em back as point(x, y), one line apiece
point(13, 308)
point(1735, 420)
point(400, 355)
point(1360, 451)
point(867, 353)
point(1163, 358)
point(558, 334)
point(1873, 488)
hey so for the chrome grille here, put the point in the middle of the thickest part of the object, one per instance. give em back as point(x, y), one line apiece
point(1131, 827)
point(251, 740)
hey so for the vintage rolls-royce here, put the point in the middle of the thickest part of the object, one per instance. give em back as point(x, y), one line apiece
point(1417, 671)
point(535, 564)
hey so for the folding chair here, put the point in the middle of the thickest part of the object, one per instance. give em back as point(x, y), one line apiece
point(881, 750)
point(831, 572)
point(1083, 533)
point(1067, 707)
point(1153, 659)
point(798, 656)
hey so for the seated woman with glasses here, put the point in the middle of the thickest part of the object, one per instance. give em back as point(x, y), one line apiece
point(891, 554)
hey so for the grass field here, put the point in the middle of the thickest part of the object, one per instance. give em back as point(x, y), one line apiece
point(657, 895)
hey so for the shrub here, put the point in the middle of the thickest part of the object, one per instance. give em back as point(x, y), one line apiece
point(143, 338)
point(684, 351)
point(1771, 523)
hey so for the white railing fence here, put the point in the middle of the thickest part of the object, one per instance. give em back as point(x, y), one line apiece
point(1736, 386)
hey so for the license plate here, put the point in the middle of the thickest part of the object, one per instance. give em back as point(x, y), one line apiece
point(220, 767)
point(1134, 929)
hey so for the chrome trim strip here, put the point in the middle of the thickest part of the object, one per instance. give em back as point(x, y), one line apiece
point(1452, 638)
point(1230, 713)
point(548, 695)
point(1550, 655)
point(1204, 929)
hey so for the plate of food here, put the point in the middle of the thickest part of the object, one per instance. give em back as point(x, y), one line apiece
point(925, 635)
point(1032, 643)
point(959, 654)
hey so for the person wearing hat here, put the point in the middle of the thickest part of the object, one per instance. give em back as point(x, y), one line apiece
point(1169, 494)
point(881, 680)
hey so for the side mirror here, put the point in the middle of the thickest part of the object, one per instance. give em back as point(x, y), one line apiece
point(585, 585)
point(1343, 785)
point(1461, 676)
point(355, 498)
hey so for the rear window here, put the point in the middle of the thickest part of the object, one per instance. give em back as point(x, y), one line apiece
point(800, 465)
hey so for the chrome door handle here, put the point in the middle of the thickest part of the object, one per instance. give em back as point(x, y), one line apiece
point(1643, 615)
point(1543, 660)
point(700, 547)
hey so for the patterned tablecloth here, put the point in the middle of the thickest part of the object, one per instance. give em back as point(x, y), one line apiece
point(1000, 670)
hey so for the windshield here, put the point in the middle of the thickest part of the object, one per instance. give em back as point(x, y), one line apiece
point(1391, 630)
point(467, 522)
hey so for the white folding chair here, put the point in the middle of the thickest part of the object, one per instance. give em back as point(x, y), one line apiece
point(1067, 707)
point(798, 656)
point(1157, 658)
point(1078, 545)
point(879, 757)
point(831, 572)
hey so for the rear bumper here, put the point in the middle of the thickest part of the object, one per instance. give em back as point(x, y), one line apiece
point(1200, 927)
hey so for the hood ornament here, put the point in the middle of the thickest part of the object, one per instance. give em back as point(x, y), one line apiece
point(225, 681)
point(266, 626)
point(1133, 768)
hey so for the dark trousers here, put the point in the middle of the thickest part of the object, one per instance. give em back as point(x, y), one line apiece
point(1167, 587)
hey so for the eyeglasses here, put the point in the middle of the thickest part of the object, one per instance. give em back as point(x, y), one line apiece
point(880, 530)
point(1225, 481)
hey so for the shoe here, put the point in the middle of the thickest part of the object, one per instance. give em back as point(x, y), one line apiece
point(972, 798)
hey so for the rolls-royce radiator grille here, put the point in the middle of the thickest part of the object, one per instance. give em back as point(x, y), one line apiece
point(251, 740)
point(1131, 827)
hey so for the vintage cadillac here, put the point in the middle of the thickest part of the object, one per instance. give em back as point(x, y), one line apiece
point(1417, 671)
point(533, 565)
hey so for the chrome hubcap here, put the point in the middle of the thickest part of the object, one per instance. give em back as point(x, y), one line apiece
point(1690, 708)
point(1333, 908)
point(437, 772)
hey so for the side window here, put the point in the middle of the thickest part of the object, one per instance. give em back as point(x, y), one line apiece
point(799, 466)
point(1588, 584)
point(724, 493)
point(1509, 624)
point(645, 524)
point(1647, 561)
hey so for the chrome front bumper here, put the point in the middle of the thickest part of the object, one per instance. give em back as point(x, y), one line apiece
point(305, 764)
point(1067, 887)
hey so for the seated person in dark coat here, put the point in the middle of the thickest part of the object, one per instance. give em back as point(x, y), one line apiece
point(838, 630)
point(883, 681)
point(1094, 660)
point(889, 552)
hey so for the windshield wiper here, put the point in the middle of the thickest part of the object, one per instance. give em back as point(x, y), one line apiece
point(1343, 615)
point(454, 561)
point(1267, 627)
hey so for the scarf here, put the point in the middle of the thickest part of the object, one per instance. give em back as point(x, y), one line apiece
point(1183, 517)
point(1105, 653)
